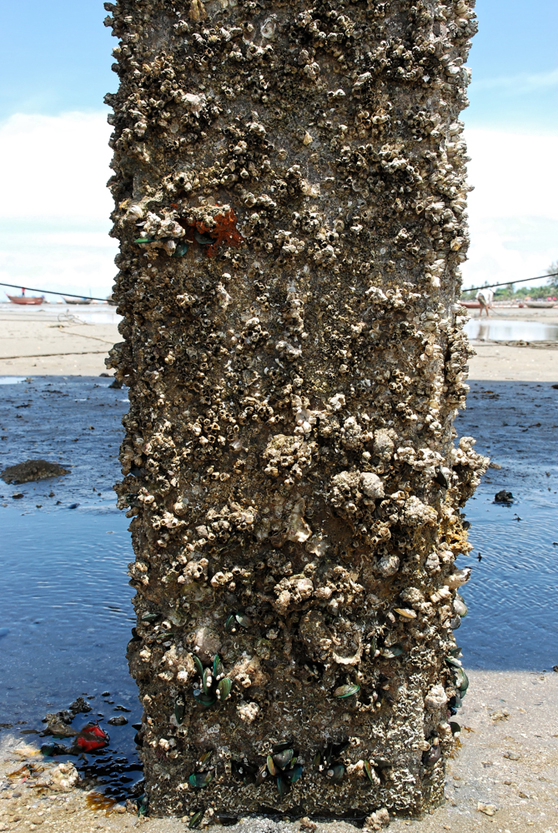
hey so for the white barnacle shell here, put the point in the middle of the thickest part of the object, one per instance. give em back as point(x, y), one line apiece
point(135, 212)
point(223, 295)
point(305, 419)
point(248, 711)
point(388, 565)
point(436, 698)
point(195, 103)
point(337, 402)
point(371, 485)
point(268, 27)
point(291, 351)
point(298, 530)
point(458, 578)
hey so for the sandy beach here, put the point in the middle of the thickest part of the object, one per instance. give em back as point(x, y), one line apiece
point(504, 776)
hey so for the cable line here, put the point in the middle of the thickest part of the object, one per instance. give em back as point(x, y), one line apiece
point(508, 283)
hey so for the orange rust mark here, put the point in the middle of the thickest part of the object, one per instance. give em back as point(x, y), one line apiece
point(456, 747)
point(22, 771)
point(26, 771)
point(98, 801)
point(224, 230)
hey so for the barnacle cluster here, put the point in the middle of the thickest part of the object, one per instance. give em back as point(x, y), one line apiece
point(290, 193)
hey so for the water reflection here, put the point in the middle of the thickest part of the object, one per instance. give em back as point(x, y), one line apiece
point(499, 330)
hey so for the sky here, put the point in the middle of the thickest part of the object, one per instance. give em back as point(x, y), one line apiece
point(54, 216)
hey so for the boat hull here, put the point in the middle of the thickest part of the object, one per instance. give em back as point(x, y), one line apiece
point(76, 300)
point(26, 300)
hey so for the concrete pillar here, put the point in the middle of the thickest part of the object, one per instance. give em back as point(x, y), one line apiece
point(289, 181)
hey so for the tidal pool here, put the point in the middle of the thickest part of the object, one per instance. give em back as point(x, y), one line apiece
point(493, 329)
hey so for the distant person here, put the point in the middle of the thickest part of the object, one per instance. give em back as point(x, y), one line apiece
point(485, 298)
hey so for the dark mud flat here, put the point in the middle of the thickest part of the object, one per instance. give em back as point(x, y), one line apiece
point(66, 612)
point(512, 599)
point(66, 615)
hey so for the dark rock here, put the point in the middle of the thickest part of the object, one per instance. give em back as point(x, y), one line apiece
point(504, 497)
point(118, 721)
point(80, 706)
point(32, 470)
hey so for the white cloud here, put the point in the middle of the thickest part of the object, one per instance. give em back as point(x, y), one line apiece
point(55, 205)
point(513, 211)
point(55, 166)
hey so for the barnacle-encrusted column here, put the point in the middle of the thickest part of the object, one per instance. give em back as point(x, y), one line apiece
point(290, 196)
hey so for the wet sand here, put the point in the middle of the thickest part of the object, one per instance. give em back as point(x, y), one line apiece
point(504, 777)
point(55, 339)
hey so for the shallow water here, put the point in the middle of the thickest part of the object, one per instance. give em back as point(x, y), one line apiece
point(65, 604)
point(493, 329)
point(11, 380)
point(65, 612)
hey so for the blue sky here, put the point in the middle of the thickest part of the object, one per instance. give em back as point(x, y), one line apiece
point(55, 61)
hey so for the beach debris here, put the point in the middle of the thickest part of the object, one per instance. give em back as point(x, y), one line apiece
point(87, 739)
point(31, 470)
point(58, 724)
point(63, 777)
point(487, 809)
point(51, 749)
point(499, 715)
point(91, 738)
point(504, 497)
